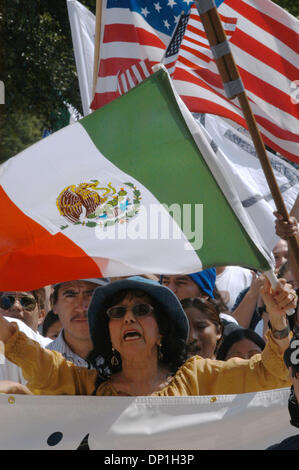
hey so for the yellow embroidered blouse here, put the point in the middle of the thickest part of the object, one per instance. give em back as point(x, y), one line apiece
point(49, 373)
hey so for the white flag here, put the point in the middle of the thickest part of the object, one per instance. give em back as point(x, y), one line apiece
point(82, 23)
point(238, 155)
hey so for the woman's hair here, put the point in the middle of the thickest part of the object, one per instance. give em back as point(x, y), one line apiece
point(49, 320)
point(236, 335)
point(209, 307)
point(173, 348)
point(218, 299)
point(283, 269)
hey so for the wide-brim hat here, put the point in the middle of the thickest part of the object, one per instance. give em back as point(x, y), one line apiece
point(161, 294)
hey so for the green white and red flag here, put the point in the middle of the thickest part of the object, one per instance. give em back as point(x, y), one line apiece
point(132, 188)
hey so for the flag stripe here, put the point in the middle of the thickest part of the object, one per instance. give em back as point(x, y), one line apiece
point(266, 55)
point(270, 94)
point(128, 33)
point(191, 52)
point(194, 82)
point(110, 67)
point(271, 39)
point(257, 90)
point(191, 40)
point(266, 23)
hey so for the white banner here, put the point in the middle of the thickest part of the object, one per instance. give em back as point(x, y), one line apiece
point(227, 422)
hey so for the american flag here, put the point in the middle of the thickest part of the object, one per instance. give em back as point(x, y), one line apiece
point(133, 31)
point(265, 46)
point(171, 54)
point(135, 74)
point(264, 43)
point(130, 77)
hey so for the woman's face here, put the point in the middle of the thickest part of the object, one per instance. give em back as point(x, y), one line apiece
point(203, 334)
point(131, 334)
point(245, 348)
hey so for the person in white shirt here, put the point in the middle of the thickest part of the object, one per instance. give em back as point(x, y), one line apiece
point(8, 370)
point(27, 306)
point(230, 281)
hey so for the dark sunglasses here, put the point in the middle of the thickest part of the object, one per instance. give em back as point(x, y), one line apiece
point(7, 301)
point(139, 310)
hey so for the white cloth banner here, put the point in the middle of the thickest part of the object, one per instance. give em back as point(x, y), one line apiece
point(238, 155)
point(225, 422)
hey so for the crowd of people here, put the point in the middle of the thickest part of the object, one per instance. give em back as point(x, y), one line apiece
point(223, 330)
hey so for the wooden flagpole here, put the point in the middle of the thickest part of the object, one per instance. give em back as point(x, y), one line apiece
point(234, 89)
point(97, 45)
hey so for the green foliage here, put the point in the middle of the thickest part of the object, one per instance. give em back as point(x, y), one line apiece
point(18, 131)
point(38, 69)
point(290, 5)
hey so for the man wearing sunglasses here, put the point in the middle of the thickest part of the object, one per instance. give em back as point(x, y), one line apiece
point(27, 309)
point(26, 306)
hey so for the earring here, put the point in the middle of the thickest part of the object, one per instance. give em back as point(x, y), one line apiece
point(160, 354)
point(114, 360)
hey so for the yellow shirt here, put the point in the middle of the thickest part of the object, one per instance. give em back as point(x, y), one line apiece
point(49, 373)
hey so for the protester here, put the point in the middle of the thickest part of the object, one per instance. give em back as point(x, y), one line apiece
point(140, 329)
point(200, 284)
point(287, 230)
point(261, 326)
point(239, 342)
point(11, 372)
point(26, 306)
point(28, 310)
point(249, 306)
point(280, 253)
point(51, 325)
point(70, 304)
point(291, 358)
point(205, 327)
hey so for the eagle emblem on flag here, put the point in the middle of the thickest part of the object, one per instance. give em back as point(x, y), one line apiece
point(92, 204)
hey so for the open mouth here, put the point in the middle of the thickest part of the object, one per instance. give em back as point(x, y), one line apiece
point(131, 335)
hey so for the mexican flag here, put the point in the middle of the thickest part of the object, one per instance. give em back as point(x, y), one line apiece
point(133, 188)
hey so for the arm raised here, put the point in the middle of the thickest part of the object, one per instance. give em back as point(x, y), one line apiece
point(279, 300)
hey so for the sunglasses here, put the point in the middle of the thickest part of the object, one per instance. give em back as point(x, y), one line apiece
point(139, 310)
point(7, 301)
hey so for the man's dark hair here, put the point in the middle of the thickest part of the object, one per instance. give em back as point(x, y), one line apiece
point(49, 320)
point(236, 335)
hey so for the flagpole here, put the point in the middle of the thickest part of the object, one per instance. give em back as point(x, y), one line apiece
point(97, 45)
point(234, 89)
